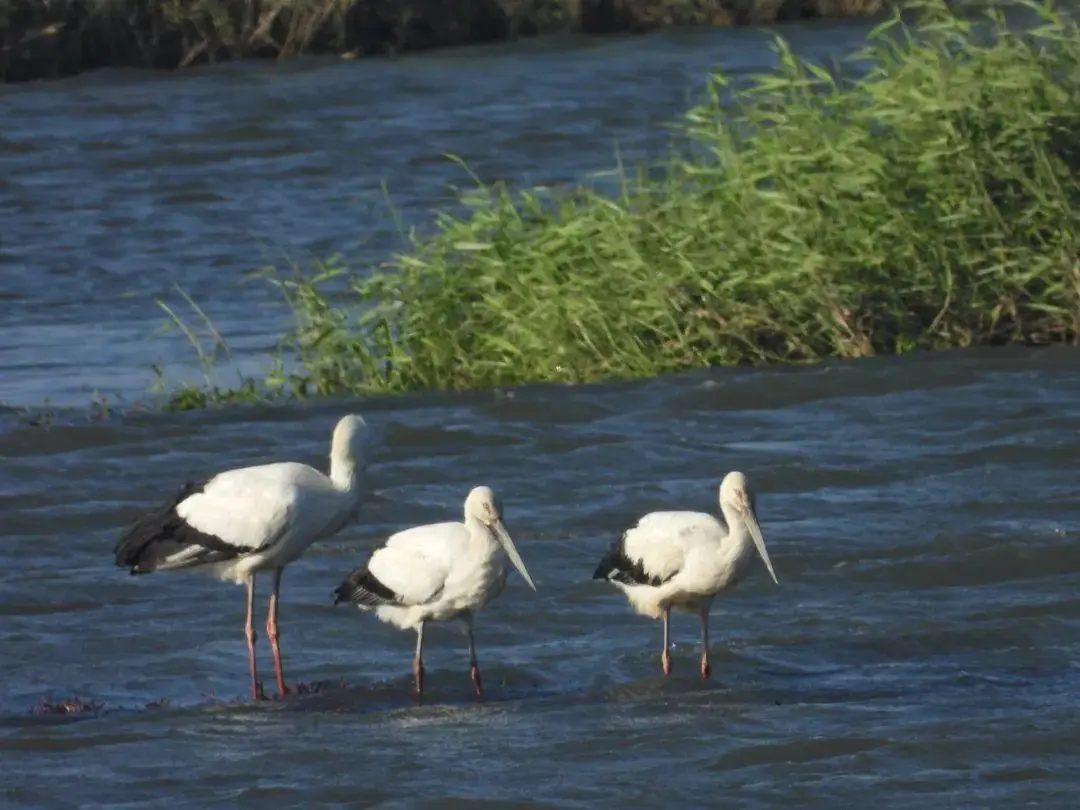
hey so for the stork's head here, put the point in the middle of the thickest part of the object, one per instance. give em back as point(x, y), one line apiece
point(484, 505)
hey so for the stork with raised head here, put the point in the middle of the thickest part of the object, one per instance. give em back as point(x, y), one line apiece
point(251, 520)
point(682, 560)
point(440, 572)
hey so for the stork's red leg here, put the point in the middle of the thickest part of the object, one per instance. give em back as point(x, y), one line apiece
point(665, 656)
point(249, 632)
point(274, 636)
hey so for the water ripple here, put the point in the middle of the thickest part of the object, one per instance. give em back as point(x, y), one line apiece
point(928, 567)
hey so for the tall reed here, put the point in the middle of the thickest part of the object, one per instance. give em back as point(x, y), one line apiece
point(925, 196)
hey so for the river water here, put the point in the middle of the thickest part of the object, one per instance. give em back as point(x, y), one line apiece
point(922, 513)
point(116, 186)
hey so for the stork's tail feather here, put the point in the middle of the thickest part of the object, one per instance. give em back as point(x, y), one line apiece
point(616, 566)
point(130, 548)
point(608, 565)
point(344, 592)
point(160, 540)
point(612, 562)
point(362, 589)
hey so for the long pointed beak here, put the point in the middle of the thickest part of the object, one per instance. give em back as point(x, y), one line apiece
point(759, 541)
point(512, 552)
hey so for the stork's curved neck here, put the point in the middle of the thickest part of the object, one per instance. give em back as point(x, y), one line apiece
point(480, 534)
point(345, 472)
point(737, 548)
point(737, 533)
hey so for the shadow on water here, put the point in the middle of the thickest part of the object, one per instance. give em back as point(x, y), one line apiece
point(513, 691)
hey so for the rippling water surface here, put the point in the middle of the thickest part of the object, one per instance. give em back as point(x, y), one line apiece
point(921, 649)
point(923, 514)
point(114, 186)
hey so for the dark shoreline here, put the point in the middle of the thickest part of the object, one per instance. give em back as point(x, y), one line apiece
point(64, 37)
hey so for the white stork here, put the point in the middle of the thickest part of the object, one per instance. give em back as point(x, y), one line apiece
point(436, 573)
point(682, 560)
point(250, 520)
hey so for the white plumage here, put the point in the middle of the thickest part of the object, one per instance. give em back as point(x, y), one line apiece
point(682, 560)
point(272, 513)
point(250, 520)
point(438, 572)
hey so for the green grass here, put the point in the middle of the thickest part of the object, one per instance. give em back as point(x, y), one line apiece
point(211, 351)
point(933, 202)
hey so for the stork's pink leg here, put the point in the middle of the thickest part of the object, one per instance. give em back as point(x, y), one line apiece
point(274, 636)
point(474, 668)
point(418, 661)
point(705, 671)
point(665, 656)
point(249, 632)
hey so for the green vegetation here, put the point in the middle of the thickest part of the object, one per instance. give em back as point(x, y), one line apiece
point(932, 202)
point(211, 349)
point(60, 37)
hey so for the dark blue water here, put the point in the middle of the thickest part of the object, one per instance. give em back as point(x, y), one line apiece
point(921, 648)
point(116, 186)
point(922, 514)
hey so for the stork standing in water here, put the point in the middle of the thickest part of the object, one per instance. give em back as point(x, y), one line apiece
point(436, 573)
point(682, 560)
point(251, 520)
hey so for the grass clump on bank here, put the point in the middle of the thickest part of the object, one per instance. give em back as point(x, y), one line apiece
point(932, 202)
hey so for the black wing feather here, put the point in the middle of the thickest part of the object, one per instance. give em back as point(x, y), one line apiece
point(616, 566)
point(160, 534)
point(362, 588)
